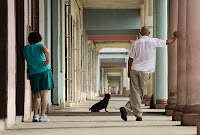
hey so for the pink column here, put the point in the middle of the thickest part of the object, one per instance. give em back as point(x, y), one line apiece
point(181, 61)
point(192, 107)
point(172, 59)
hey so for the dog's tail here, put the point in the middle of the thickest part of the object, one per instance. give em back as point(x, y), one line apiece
point(89, 109)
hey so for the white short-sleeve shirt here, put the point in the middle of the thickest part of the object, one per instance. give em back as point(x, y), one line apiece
point(143, 52)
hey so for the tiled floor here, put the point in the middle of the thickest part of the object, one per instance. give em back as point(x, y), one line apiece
point(78, 120)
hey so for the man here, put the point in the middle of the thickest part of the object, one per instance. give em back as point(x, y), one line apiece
point(142, 60)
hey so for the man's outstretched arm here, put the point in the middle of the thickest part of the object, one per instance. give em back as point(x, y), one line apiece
point(171, 40)
point(130, 61)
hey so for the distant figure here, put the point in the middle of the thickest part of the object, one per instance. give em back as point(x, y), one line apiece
point(39, 72)
point(118, 92)
point(142, 59)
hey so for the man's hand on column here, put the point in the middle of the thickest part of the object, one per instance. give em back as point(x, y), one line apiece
point(176, 34)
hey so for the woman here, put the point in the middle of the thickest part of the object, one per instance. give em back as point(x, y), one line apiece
point(39, 72)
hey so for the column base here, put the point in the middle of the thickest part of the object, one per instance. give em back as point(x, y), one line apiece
point(69, 104)
point(169, 109)
point(90, 95)
point(83, 96)
point(189, 119)
point(198, 125)
point(190, 115)
point(161, 103)
point(144, 99)
point(148, 101)
point(124, 91)
point(177, 114)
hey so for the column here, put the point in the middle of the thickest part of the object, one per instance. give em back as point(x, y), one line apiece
point(10, 57)
point(149, 91)
point(172, 59)
point(154, 35)
point(150, 87)
point(121, 85)
point(47, 34)
point(181, 61)
point(57, 55)
point(127, 78)
point(142, 15)
point(146, 8)
point(148, 11)
point(149, 19)
point(124, 81)
point(102, 81)
point(150, 7)
point(106, 84)
point(161, 55)
point(89, 72)
point(192, 107)
point(98, 75)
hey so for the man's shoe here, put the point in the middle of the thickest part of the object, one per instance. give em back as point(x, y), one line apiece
point(43, 119)
point(139, 119)
point(123, 113)
point(35, 118)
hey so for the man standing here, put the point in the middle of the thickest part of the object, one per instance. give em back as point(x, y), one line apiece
point(142, 60)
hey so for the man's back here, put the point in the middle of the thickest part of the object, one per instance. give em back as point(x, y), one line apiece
point(143, 52)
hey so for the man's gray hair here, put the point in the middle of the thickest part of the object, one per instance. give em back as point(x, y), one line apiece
point(144, 30)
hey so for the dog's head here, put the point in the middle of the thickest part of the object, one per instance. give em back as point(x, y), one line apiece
point(107, 96)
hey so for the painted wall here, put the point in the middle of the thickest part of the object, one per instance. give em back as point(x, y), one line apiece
point(111, 19)
point(113, 32)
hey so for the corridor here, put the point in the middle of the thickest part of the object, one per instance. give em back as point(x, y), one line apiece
point(78, 120)
point(89, 43)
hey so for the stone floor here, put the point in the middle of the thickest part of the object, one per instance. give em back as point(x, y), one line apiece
point(78, 120)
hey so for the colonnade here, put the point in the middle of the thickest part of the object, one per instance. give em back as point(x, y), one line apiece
point(184, 81)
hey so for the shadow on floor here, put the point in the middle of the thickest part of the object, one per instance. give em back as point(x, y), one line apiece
point(101, 114)
point(52, 128)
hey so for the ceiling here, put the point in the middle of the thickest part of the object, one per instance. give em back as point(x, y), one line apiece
point(111, 4)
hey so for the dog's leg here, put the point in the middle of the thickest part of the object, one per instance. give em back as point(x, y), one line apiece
point(106, 109)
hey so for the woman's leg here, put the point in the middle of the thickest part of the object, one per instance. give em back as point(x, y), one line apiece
point(36, 102)
point(43, 94)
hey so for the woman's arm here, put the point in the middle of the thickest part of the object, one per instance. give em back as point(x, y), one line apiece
point(47, 55)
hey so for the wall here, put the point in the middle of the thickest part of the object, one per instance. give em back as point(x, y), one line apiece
point(111, 19)
point(114, 32)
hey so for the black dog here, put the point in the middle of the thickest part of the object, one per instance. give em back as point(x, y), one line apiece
point(100, 105)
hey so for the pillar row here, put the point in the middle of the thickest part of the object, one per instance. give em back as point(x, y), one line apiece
point(192, 107)
point(149, 23)
point(172, 59)
point(181, 61)
point(102, 81)
point(142, 15)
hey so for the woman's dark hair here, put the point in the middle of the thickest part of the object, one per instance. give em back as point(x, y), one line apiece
point(34, 37)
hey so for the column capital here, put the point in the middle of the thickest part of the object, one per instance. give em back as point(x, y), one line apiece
point(141, 7)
